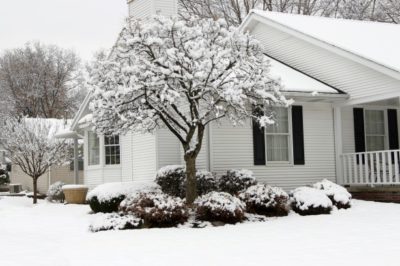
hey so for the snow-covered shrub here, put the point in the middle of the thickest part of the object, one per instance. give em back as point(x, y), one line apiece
point(156, 208)
point(310, 201)
point(220, 207)
point(339, 195)
point(205, 182)
point(265, 200)
point(115, 221)
point(55, 192)
point(235, 181)
point(4, 177)
point(172, 180)
point(107, 197)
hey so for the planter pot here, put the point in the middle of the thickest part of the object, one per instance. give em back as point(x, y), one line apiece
point(75, 194)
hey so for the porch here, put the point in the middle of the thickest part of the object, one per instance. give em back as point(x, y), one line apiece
point(368, 152)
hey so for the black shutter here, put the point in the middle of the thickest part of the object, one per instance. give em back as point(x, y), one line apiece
point(393, 129)
point(298, 135)
point(359, 131)
point(258, 141)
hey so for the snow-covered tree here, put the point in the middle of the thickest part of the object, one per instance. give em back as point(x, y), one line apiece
point(181, 75)
point(31, 145)
point(41, 81)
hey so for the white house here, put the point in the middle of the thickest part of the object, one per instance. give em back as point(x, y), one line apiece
point(344, 76)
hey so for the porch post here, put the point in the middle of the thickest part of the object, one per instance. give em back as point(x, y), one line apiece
point(76, 161)
point(337, 118)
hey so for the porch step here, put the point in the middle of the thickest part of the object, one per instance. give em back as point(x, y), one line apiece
point(380, 194)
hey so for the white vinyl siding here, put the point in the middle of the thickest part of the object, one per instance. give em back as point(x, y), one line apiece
point(168, 148)
point(353, 78)
point(232, 148)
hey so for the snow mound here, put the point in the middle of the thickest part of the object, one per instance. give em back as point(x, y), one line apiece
point(305, 198)
point(108, 191)
point(114, 221)
point(170, 169)
point(335, 192)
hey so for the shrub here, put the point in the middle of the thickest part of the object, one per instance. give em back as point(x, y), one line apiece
point(55, 192)
point(172, 180)
point(310, 201)
point(339, 196)
point(115, 221)
point(156, 208)
point(4, 177)
point(220, 207)
point(107, 197)
point(265, 200)
point(235, 181)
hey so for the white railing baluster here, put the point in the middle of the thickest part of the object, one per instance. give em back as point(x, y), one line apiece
point(366, 170)
point(384, 174)
point(373, 170)
point(360, 169)
point(378, 168)
point(390, 166)
point(350, 165)
point(355, 168)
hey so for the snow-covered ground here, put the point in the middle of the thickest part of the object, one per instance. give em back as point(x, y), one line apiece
point(57, 235)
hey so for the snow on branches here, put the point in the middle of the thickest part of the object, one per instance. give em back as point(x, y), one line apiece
point(31, 145)
point(168, 72)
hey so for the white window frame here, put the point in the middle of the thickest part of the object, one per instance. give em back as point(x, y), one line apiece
point(112, 145)
point(385, 125)
point(290, 142)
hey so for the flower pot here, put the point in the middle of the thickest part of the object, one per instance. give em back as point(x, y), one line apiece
point(75, 194)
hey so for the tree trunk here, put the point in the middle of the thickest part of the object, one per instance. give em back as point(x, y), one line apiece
point(191, 186)
point(35, 190)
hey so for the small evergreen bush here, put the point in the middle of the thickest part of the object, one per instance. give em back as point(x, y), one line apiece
point(339, 195)
point(220, 207)
point(310, 201)
point(265, 200)
point(235, 181)
point(107, 197)
point(156, 208)
point(172, 180)
point(4, 177)
point(55, 192)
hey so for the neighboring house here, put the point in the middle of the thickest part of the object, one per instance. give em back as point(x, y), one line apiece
point(344, 76)
point(64, 172)
point(56, 173)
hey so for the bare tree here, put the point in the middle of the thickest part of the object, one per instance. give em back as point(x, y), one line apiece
point(168, 73)
point(234, 11)
point(31, 145)
point(41, 81)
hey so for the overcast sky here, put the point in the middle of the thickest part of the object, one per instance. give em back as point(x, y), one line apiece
point(82, 25)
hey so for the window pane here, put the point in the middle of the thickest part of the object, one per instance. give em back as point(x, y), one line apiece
point(375, 143)
point(375, 122)
point(277, 148)
point(93, 148)
point(112, 150)
point(282, 121)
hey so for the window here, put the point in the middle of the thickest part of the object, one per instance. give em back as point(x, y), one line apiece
point(375, 133)
point(93, 148)
point(278, 136)
point(112, 150)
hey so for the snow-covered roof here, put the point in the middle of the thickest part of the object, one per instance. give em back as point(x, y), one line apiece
point(56, 126)
point(295, 81)
point(378, 42)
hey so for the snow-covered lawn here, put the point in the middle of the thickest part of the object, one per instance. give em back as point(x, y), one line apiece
point(57, 235)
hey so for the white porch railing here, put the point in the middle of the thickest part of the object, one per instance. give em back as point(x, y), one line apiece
point(371, 168)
